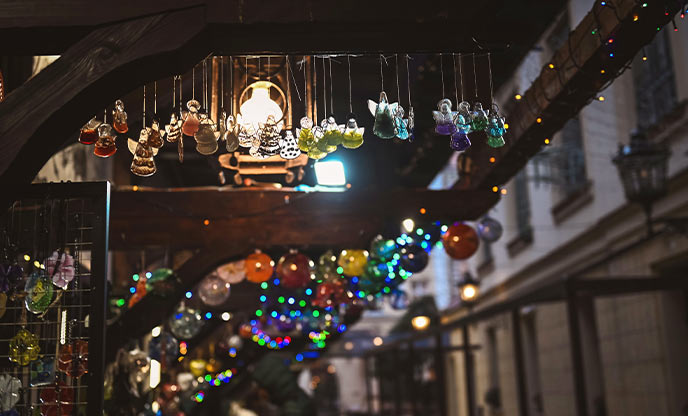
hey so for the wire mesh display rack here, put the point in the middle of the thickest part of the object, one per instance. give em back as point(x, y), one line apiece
point(41, 229)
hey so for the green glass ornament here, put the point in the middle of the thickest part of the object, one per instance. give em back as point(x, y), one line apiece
point(384, 126)
point(495, 128)
point(352, 137)
point(305, 134)
point(326, 270)
point(382, 249)
point(39, 292)
point(479, 118)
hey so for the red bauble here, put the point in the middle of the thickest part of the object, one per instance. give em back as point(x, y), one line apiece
point(460, 241)
point(330, 294)
point(245, 331)
point(294, 270)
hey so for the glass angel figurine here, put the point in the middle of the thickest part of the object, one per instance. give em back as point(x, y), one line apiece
point(353, 135)
point(495, 128)
point(88, 133)
point(230, 136)
point(289, 149)
point(444, 118)
point(463, 118)
point(384, 126)
point(401, 124)
point(332, 135)
point(191, 118)
point(143, 163)
point(174, 129)
point(155, 134)
point(268, 145)
point(206, 135)
point(119, 118)
point(479, 118)
point(306, 138)
point(105, 145)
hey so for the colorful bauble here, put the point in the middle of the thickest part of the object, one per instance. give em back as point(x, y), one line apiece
point(489, 229)
point(330, 294)
point(197, 367)
point(382, 249)
point(186, 323)
point(73, 358)
point(213, 291)
point(460, 241)
point(326, 269)
point(164, 348)
point(10, 388)
point(245, 331)
point(353, 262)
point(376, 270)
point(24, 347)
point(259, 267)
point(413, 258)
point(39, 292)
point(294, 270)
point(233, 272)
point(57, 400)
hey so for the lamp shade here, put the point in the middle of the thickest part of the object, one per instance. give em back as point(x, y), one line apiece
point(255, 110)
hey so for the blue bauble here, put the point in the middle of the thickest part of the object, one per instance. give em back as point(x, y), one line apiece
point(413, 258)
point(382, 249)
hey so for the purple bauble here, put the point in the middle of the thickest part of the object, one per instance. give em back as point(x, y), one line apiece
point(459, 141)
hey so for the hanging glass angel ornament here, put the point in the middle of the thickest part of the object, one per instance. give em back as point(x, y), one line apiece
point(246, 132)
point(191, 118)
point(119, 118)
point(459, 140)
point(495, 128)
point(305, 134)
point(289, 149)
point(105, 145)
point(155, 134)
point(411, 124)
point(444, 118)
point(174, 129)
point(143, 163)
point(89, 133)
point(230, 135)
point(206, 136)
point(269, 138)
point(352, 136)
point(332, 135)
point(401, 124)
point(478, 118)
point(384, 126)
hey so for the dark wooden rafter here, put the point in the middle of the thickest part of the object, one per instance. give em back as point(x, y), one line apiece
point(581, 68)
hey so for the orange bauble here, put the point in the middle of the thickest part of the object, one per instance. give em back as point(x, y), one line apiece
point(258, 267)
point(460, 241)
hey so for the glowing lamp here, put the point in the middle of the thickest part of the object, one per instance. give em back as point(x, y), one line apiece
point(420, 322)
point(469, 288)
point(330, 173)
point(255, 110)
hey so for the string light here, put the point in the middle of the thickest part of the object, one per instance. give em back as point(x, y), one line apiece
point(546, 141)
point(518, 97)
point(600, 98)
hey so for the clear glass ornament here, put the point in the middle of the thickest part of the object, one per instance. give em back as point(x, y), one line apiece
point(213, 291)
point(106, 145)
point(326, 269)
point(463, 118)
point(289, 149)
point(186, 323)
point(495, 128)
point(155, 135)
point(459, 141)
point(174, 129)
point(489, 229)
point(119, 118)
point(89, 133)
point(233, 272)
point(230, 135)
point(401, 124)
point(444, 118)
point(206, 136)
point(384, 126)
point(411, 124)
point(10, 392)
point(352, 137)
point(479, 118)
point(191, 118)
point(332, 135)
point(143, 163)
point(269, 139)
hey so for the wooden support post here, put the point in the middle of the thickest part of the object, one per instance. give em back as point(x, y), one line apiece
point(521, 382)
point(578, 366)
point(468, 372)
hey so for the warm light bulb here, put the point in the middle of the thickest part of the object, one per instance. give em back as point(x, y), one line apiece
point(420, 322)
point(469, 292)
point(156, 332)
point(377, 341)
point(255, 110)
point(408, 225)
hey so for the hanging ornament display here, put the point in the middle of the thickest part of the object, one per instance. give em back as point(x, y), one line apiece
point(57, 400)
point(119, 118)
point(88, 133)
point(73, 358)
point(489, 229)
point(289, 149)
point(294, 270)
point(384, 126)
point(231, 129)
point(382, 249)
point(414, 258)
point(10, 392)
point(353, 262)
point(105, 145)
point(23, 347)
point(39, 292)
point(233, 272)
point(42, 371)
point(174, 129)
point(268, 143)
point(213, 291)
point(460, 241)
point(444, 118)
point(186, 323)
point(65, 269)
point(259, 267)
point(143, 163)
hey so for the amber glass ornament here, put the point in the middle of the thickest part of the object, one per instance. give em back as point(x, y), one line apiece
point(353, 262)
point(294, 270)
point(88, 133)
point(143, 163)
point(155, 134)
point(73, 358)
point(259, 267)
point(119, 118)
point(207, 135)
point(245, 331)
point(460, 241)
point(105, 145)
point(24, 347)
point(191, 119)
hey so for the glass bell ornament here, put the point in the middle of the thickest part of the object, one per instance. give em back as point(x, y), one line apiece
point(326, 269)
point(294, 270)
point(10, 392)
point(269, 139)
point(463, 118)
point(401, 124)
point(89, 133)
point(384, 126)
point(259, 267)
point(230, 135)
point(143, 163)
point(352, 136)
point(233, 272)
point(444, 118)
point(39, 292)
point(72, 358)
point(23, 347)
point(42, 371)
point(174, 129)
point(353, 262)
point(105, 145)
point(57, 400)
point(185, 323)
point(382, 249)
point(289, 149)
point(489, 229)
point(164, 348)
point(459, 141)
point(155, 134)
point(65, 269)
point(478, 118)
point(495, 128)
point(460, 241)
point(213, 291)
point(413, 258)
point(119, 118)
point(332, 135)
point(206, 136)
point(191, 118)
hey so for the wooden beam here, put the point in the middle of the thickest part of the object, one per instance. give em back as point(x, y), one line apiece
point(581, 67)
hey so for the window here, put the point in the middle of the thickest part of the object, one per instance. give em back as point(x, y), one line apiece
point(570, 163)
point(653, 78)
point(525, 231)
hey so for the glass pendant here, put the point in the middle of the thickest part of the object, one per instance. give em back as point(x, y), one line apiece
point(143, 163)
point(39, 292)
point(384, 126)
point(459, 141)
point(206, 135)
point(289, 149)
point(105, 145)
point(10, 393)
point(57, 400)
point(174, 129)
point(24, 347)
point(401, 124)
point(479, 118)
point(495, 128)
point(65, 269)
point(42, 371)
point(88, 133)
point(269, 139)
point(191, 120)
point(231, 138)
point(332, 136)
point(353, 135)
point(73, 358)
point(444, 118)
point(119, 118)
point(155, 135)
point(463, 118)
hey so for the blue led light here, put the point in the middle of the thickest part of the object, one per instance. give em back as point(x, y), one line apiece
point(263, 298)
point(149, 275)
point(354, 279)
point(188, 295)
point(132, 289)
point(276, 282)
point(299, 357)
point(274, 314)
point(360, 294)
point(309, 291)
point(291, 301)
point(427, 236)
point(178, 316)
point(208, 315)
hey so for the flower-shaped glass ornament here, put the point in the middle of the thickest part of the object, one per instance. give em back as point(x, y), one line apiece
point(155, 134)
point(42, 371)
point(460, 241)
point(233, 272)
point(384, 126)
point(444, 118)
point(73, 358)
point(352, 136)
point(463, 118)
point(295, 270)
point(57, 400)
point(413, 258)
point(269, 143)
point(353, 262)
point(289, 149)
point(119, 118)
point(105, 145)
point(206, 136)
point(478, 118)
point(332, 135)
point(382, 249)
point(401, 123)
point(305, 134)
point(191, 119)
point(10, 392)
point(164, 348)
point(39, 292)
point(459, 141)
point(185, 323)
point(489, 229)
point(259, 267)
point(24, 347)
point(213, 291)
point(230, 136)
point(174, 129)
point(495, 128)
point(88, 133)
point(326, 269)
point(143, 163)
point(10, 275)
point(65, 269)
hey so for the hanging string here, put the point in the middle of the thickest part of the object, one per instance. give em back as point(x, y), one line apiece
point(475, 78)
point(408, 80)
point(331, 82)
point(324, 88)
point(155, 98)
point(174, 92)
point(461, 75)
point(315, 90)
point(205, 84)
point(442, 73)
point(222, 83)
point(456, 91)
point(396, 66)
point(259, 75)
point(181, 88)
point(143, 122)
point(193, 83)
point(489, 70)
point(267, 71)
point(288, 89)
point(348, 59)
point(246, 71)
point(298, 94)
point(231, 84)
point(382, 77)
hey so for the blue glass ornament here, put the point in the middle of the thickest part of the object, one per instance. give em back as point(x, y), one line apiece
point(495, 128)
point(382, 249)
point(384, 126)
point(413, 258)
point(459, 141)
point(401, 124)
point(444, 118)
point(164, 348)
point(479, 118)
point(463, 118)
point(489, 229)
point(42, 371)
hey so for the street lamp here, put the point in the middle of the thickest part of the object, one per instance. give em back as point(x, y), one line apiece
point(469, 288)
